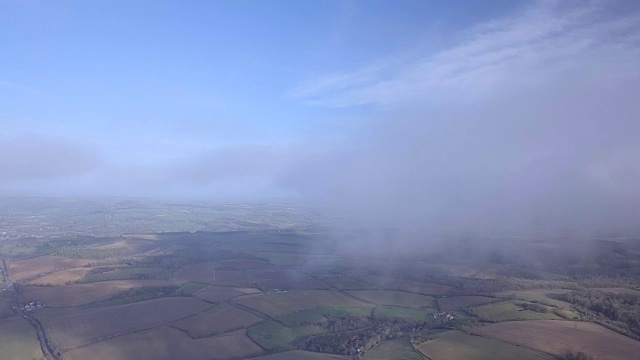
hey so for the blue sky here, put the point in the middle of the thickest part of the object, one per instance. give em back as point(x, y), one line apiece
point(370, 104)
point(201, 73)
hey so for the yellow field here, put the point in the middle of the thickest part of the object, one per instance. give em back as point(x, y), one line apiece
point(165, 343)
point(80, 294)
point(24, 269)
point(553, 336)
point(61, 277)
point(217, 320)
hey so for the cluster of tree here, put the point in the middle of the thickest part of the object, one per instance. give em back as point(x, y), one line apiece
point(353, 335)
point(621, 310)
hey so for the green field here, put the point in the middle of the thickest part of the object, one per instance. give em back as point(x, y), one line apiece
point(456, 345)
point(395, 298)
point(398, 349)
point(273, 335)
point(313, 316)
point(511, 310)
point(403, 312)
point(18, 340)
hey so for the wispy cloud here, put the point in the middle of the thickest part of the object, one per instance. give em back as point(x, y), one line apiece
point(548, 36)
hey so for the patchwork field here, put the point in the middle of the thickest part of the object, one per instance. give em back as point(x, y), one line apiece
point(217, 320)
point(80, 294)
point(18, 340)
point(210, 273)
point(396, 298)
point(456, 345)
point(281, 303)
point(28, 268)
point(165, 343)
point(557, 336)
point(459, 302)
point(88, 326)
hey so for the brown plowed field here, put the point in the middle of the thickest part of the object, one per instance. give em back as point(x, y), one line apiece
point(555, 336)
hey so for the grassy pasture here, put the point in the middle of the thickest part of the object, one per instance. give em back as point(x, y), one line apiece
point(399, 349)
point(403, 312)
point(210, 273)
point(456, 345)
point(509, 311)
point(73, 330)
point(424, 288)
point(217, 320)
point(395, 298)
point(5, 308)
point(459, 302)
point(277, 304)
point(61, 277)
point(313, 316)
point(217, 294)
point(166, 343)
point(345, 283)
point(125, 273)
point(273, 335)
point(28, 268)
point(80, 294)
point(554, 337)
point(302, 355)
point(18, 340)
point(539, 295)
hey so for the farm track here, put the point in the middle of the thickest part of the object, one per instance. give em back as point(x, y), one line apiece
point(45, 345)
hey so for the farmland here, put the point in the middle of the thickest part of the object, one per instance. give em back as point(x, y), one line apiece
point(283, 295)
point(85, 327)
point(393, 349)
point(217, 320)
point(18, 340)
point(556, 336)
point(510, 311)
point(456, 345)
point(25, 269)
point(460, 302)
point(281, 303)
point(396, 298)
point(165, 343)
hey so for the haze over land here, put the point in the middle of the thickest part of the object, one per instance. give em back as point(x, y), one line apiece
point(521, 117)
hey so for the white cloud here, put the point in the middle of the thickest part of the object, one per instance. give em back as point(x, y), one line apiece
point(541, 40)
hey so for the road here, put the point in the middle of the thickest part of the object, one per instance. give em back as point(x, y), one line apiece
point(42, 336)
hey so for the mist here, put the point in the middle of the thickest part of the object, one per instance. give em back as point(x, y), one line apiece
point(525, 123)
